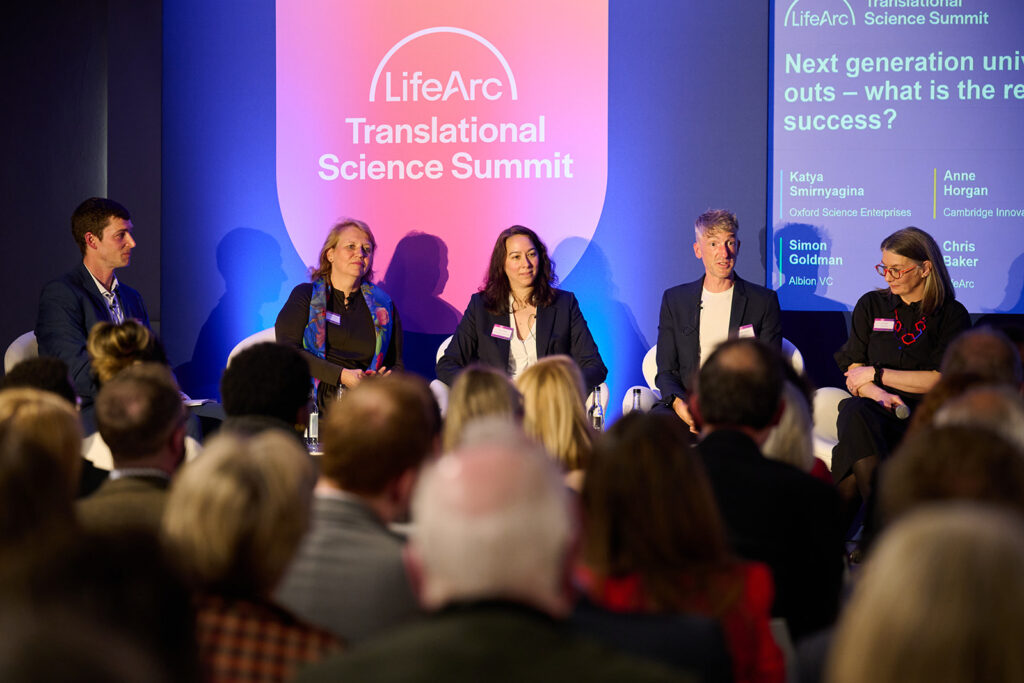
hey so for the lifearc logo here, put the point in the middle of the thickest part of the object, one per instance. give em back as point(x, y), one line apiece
point(810, 14)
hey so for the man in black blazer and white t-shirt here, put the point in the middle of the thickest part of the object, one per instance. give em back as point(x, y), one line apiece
point(697, 316)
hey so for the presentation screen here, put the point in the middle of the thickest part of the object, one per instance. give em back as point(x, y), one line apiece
point(889, 113)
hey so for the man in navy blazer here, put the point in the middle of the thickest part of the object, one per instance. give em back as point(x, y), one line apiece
point(70, 305)
point(697, 316)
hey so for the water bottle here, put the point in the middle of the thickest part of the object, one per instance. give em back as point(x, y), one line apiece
point(636, 399)
point(313, 430)
point(596, 412)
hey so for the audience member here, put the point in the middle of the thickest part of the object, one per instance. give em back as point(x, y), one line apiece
point(987, 352)
point(70, 305)
point(491, 543)
point(946, 389)
point(120, 587)
point(38, 474)
point(113, 347)
point(654, 542)
point(43, 372)
point(349, 575)
point(998, 409)
point(792, 439)
point(940, 599)
point(479, 391)
point(773, 512)
point(51, 374)
point(266, 385)
point(553, 405)
point(234, 519)
point(141, 418)
point(953, 463)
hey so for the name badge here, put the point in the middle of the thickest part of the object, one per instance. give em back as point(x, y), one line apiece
point(501, 332)
point(884, 325)
point(747, 331)
point(333, 318)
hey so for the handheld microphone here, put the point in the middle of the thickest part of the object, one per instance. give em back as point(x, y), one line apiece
point(901, 411)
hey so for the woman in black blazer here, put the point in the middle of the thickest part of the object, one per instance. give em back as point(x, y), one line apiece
point(518, 316)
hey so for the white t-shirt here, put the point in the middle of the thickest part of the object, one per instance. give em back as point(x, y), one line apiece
point(715, 310)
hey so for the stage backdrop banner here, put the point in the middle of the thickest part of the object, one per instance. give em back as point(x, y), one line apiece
point(892, 113)
point(451, 119)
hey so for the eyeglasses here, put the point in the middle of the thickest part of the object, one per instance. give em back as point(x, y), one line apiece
point(895, 273)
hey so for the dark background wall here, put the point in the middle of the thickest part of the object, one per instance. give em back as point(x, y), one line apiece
point(81, 118)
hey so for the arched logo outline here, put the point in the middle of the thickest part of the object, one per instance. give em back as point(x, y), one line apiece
point(445, 29)
point(853, 17)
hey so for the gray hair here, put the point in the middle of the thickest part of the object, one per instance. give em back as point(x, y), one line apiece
point(491, 519)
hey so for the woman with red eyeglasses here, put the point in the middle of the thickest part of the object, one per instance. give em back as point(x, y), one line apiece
point(897, 338)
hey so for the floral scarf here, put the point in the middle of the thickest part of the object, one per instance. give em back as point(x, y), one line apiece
point(314, 337)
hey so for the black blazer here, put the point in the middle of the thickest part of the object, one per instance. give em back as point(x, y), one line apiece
point(679, 330)
point(776, 514)
point(68, 308)
point(561, 329)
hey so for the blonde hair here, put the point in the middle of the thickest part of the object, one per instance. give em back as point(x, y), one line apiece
point(114, 347)
point(940, 599)
point(479, 391)
point(323, 267)
point(715, 220)
point(791, 440)
point(553, 410)
point(235, 515)
point(48, 422)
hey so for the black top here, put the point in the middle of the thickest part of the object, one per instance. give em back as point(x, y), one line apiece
point(916, 342)
point(350, 344)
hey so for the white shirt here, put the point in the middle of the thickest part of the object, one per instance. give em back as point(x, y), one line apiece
point(113, 304)
point(522, 352)
point(715, 310)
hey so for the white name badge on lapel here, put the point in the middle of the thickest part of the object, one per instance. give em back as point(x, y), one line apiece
point(747, 332)
point(333, 318)
point(884, 325)
point(501, 332)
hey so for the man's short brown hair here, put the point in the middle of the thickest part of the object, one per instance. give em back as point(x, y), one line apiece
point(92, 215)
point(137, 410)
point(378, 431)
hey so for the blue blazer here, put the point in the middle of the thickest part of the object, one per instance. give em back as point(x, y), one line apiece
point(68, 308)
point(679, 330)
point(561, 329)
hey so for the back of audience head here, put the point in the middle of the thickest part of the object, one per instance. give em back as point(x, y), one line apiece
point(44, 372)
point(235, 516)
point(123, 587)
point(948, 388)
point(479, 391)
point(940, 599)
point(987, 352)
point(952, 463)
point(791, 440)
point(36, 494)
point(492, 522)
point(740, 385)
point(113, 347)
point(268, 380)
point(996, 408)
point(378, 432)
point(553, 403)
point(140, 414)
point(650, 509)
point(50, 424)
